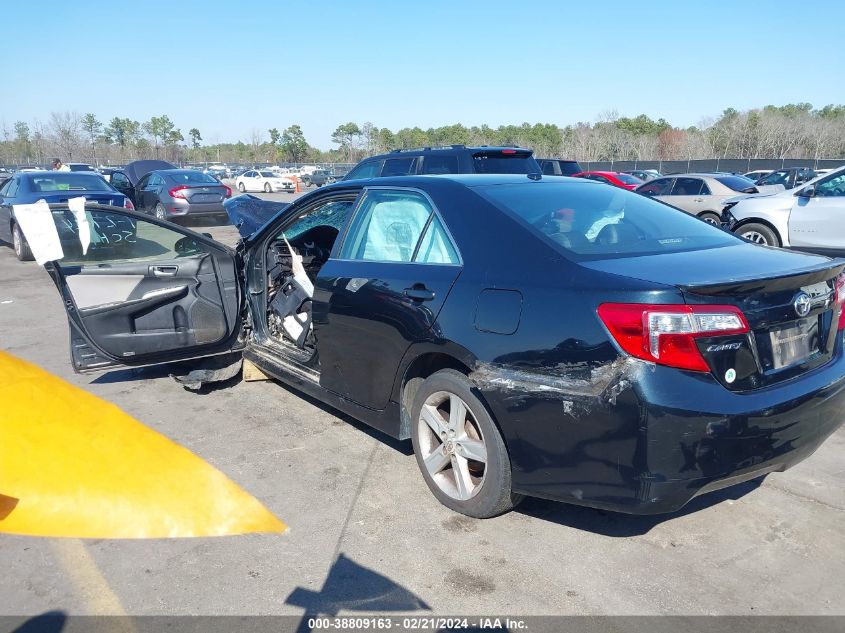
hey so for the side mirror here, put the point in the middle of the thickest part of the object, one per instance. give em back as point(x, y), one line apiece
point(187, 246)
point(808, 192)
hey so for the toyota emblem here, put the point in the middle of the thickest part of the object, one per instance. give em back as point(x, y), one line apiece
point(802, 304)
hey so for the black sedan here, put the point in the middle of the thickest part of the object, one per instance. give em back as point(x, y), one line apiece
point(530, 336)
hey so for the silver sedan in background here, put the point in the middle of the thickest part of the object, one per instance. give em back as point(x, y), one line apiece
point(701, 195)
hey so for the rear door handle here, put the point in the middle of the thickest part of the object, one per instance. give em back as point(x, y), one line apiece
point(419, 293)
point(164, 271)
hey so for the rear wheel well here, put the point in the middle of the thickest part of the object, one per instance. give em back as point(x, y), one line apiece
point(421, 368)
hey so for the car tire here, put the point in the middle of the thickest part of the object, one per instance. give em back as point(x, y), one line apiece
point(474, 487)
point(161, 212)
point(710, 217)
point(267, 188)
point(21, 246)
point(759, 234)
point(241, 187)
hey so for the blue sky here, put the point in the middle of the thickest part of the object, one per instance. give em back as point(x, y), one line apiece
point(228, 67)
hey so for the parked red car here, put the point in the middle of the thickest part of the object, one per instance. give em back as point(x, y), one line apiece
point(615, 178)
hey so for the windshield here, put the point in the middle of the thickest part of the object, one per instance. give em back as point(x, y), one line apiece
point(507, 162)
point(628, 179)
point(268, 174)
point(193, 177)
point(737, 183)
point(779, 177)
point(69, 181)
point(594, 222)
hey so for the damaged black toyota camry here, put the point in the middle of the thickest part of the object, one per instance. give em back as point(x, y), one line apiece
point(555, 338)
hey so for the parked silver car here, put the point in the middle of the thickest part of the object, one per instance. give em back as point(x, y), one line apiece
point(701, 195)
point(808, 218)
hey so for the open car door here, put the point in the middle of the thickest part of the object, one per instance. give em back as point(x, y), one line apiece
point(143, 291)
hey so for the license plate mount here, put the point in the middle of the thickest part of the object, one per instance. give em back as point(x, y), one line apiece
point(795, 342)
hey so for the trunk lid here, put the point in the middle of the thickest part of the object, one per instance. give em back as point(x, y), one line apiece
point(788, 300)
point(198, 194)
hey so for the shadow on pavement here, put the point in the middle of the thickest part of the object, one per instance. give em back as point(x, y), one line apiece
point(352, 587)
point(48, 622)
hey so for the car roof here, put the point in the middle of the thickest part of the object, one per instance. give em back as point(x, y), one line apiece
point(467, 180)
point(448, 149)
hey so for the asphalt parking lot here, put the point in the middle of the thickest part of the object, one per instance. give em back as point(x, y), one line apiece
point(367, 536)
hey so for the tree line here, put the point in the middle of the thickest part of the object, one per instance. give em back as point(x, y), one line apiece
point(789, 131)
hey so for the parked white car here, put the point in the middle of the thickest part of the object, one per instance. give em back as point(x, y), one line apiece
point(810, 217)
point(266, 181)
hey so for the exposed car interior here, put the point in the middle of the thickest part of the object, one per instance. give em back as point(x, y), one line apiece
point(307, 241)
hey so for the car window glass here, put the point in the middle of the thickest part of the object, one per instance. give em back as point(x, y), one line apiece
point(705, 190)
point(115, 237)
point(369, 169)
point(603, 222)
point(834, 187)
point(687, 187)
point(659, 187)
point(779, 177)
point(119, 180)
point(10, 189)
point(398, 166)
point(68, 181)
point(192, 177)
point(387, 226)
point(550, 168)
point(435, 246)
point(331, 213)
point(437, 164)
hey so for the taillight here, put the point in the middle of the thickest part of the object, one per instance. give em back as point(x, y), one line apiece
point(665, 334)
point(228, 191)
point(176, 192)
point(127, 204)
point(839, 299)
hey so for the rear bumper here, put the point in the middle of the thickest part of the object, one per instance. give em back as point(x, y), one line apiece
point(657, 437)
point(208, 208)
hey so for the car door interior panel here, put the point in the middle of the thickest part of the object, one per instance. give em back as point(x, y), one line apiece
point(133, 309)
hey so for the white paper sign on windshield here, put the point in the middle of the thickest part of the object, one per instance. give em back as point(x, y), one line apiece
point(77, 206)
point(36, 222)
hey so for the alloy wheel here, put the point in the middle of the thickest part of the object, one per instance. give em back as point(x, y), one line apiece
point(757, 238)
point(451, 445)
point(161, 214)
point(16, 242)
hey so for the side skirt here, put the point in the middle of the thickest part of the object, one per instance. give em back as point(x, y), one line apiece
point(308, 381)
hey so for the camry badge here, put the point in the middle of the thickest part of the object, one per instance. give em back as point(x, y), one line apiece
point(802, 304)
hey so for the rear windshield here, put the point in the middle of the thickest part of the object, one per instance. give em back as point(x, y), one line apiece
point(193, 177)
point(737, 183)
point(595, 222)
point(628, 179)
point(505, 163)
point(69, 181)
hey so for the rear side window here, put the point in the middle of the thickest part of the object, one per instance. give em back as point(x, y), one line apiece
point(687, 187)
point(398, 166)
point(389, 225)
point(589, 222)
point(434, 164)
point(504, 162)
point(369, 169)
